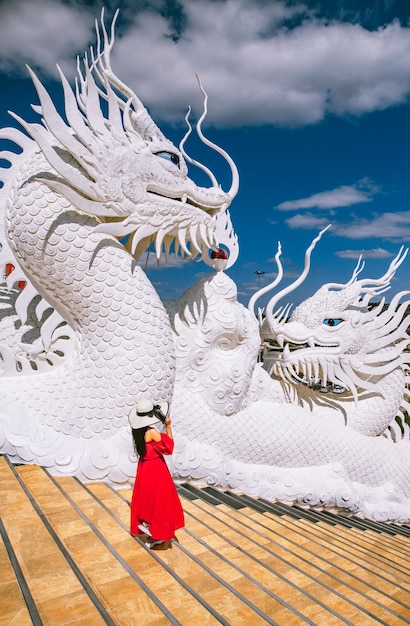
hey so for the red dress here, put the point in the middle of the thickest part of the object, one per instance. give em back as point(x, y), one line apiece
point(154, 497)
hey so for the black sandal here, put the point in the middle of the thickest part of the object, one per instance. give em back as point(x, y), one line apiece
point(160, 545)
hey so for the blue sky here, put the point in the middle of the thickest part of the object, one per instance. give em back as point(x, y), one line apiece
point(311, 100)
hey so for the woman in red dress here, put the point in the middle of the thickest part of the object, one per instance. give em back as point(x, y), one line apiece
point(156, 510)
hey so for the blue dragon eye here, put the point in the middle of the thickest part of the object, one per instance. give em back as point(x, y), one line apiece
point(331, 321)
point(169, 156)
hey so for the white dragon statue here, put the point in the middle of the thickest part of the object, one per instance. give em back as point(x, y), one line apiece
point(84, 335)
point(344, 345)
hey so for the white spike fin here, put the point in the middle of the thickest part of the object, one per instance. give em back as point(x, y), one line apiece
point(17, 137)
point(74, 116)
point(48, 328)
point(54, 121)
point(114, 114)
point(41, 307)
point(37, 132)
point(82, 203)
point(93, 106)
point(23, 301)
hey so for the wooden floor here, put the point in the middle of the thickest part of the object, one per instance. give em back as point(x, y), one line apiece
point(66, 557)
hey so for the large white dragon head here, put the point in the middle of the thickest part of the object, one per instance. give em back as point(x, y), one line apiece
point(338, 336)
point(110, 160)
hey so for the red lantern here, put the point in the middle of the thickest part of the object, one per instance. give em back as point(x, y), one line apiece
point(219, 253)
point(219, 258)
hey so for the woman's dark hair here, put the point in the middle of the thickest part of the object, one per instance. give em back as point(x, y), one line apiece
point(138, 435)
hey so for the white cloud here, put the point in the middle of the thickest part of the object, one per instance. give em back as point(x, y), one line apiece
point(255, 71)
point(393, 227)
point(149, 261)
point(374, 253)
point(255, 68)
point(390, 226)
point(340, 197)
point(307, 221)
point(42, 33)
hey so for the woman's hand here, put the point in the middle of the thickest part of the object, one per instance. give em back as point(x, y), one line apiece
point(168, 428)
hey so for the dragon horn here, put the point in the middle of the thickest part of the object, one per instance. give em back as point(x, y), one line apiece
point(376, 286)
point(272, 285)
point(235, 174)
point(190, 159)
point(273, 301)
point(142, 122)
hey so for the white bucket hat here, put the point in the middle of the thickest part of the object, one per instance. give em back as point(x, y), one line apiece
point(144, 413)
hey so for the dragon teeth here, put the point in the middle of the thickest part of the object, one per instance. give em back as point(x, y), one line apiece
point(182, 240)
point(158, 243)
point(134, 244)
point(286, 351)
point(192, 234)
point(204, 234)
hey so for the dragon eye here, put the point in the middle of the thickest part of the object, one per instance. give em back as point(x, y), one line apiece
point(330, 321)
point(169, 156)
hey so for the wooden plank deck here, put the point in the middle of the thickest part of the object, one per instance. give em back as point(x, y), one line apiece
point(67, 557)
